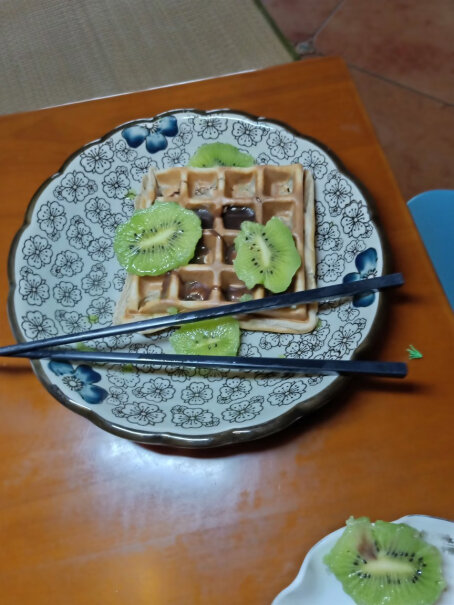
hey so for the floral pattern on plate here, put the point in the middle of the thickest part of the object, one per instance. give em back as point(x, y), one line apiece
point(69, 280)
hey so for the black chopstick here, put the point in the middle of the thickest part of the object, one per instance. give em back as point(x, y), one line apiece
point(252, 306)
point(390, 369)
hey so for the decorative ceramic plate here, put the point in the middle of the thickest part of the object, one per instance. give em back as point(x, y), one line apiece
point(316, 585)
point(64, 278)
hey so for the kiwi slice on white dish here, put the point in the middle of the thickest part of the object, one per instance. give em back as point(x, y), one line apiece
point(220, 154)
point(210, 337)
point(386, 564)
point(266, 254)
point(157, 239)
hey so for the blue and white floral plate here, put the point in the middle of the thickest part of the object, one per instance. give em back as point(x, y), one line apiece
point(65, 278)
point(316, 585)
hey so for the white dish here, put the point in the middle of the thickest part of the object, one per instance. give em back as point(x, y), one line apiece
point(316, 585)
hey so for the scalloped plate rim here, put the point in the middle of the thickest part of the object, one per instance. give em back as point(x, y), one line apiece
point(230, 436)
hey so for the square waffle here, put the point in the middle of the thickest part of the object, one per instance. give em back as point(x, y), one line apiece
point(223, 197)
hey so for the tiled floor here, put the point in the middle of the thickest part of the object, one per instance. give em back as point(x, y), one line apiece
point(401, 57)
point(299, 20)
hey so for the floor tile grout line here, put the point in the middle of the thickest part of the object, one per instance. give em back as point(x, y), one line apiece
point(315, 52)
point(311, 39)
point(372, 74)
point(399, 84)
point(325, 22)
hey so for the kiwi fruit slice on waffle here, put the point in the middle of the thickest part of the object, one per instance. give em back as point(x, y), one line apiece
point(386, 564)
point(157, 239)
point(220, 154)
point(210, 337)
point(266, 254)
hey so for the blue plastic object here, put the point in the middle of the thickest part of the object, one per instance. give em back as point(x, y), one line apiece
point(433, 213)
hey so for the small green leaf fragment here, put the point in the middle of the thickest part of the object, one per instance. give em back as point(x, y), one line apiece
point(127, 367)
point(172, 310)
point(131, 195)
point(413, 353)
point(93, 319)
point(246, 297)
point(80, 346)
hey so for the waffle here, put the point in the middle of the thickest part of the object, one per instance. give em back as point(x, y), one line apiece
point(264, 191)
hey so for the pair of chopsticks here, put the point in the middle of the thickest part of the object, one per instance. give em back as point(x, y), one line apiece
point(42, 349)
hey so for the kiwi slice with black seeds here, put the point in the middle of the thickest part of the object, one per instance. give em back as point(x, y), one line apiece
point(210, 337)
point(266, 254)
point(220, 154)
point(157, 239)
point(386, 564)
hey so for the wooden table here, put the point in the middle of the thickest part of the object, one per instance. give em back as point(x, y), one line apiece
point(89, 518)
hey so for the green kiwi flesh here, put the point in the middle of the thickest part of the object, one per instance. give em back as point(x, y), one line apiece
point(157, 239)
point(266, 254)
point(220, 154)
point(386, 564)
point(210, 337)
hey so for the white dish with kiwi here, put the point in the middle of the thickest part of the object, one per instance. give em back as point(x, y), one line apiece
point(385, 572)
point(65, 276)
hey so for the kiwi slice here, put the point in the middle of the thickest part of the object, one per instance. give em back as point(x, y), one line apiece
point(266, 254)
point(220, 154)
point(210, 337)
point(157, 239)
point(386, 564)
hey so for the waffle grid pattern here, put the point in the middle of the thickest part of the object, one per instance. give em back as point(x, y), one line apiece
point(221, 196)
